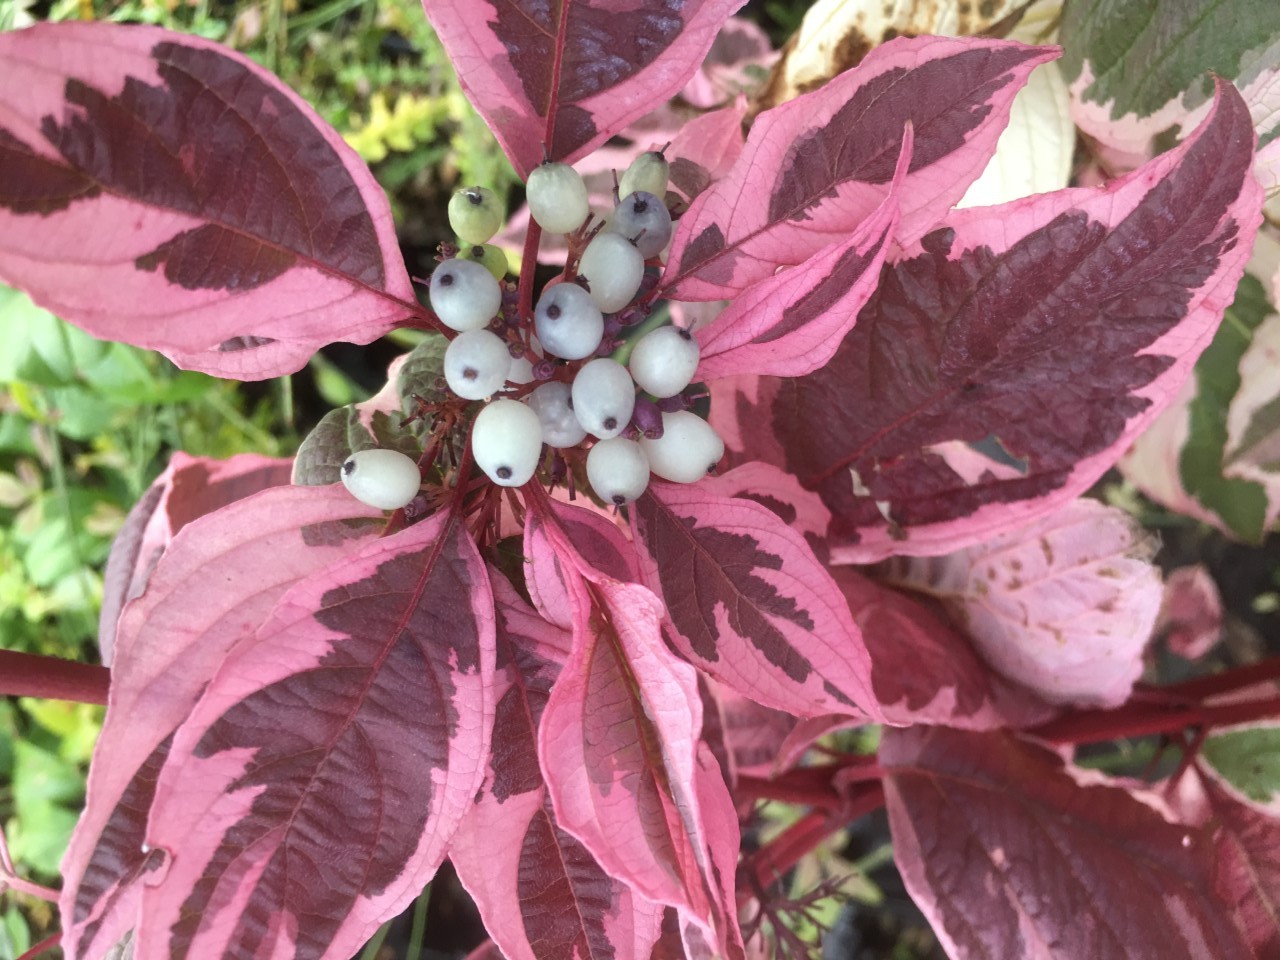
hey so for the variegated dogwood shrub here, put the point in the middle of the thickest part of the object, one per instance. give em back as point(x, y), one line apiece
point(313, 702)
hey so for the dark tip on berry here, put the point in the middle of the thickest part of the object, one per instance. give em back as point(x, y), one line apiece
point(639, 204)
point(553, 312)
point(618, 500)
point(684, 333)
point(504, 473)
point(610, 423)
point(477, 253)
point(446, 279)
point(470, 373)
point(349, 467)
point(475, 197)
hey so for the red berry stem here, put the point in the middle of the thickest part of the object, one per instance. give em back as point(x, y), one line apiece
point(32, 675)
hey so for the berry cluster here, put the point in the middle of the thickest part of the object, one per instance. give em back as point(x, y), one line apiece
point(591, 370)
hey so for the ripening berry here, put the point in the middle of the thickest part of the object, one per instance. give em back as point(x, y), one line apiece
point(644, 220)
point(490, 257)
point(648, 172)
point(613, 268)
point(557, 197)
point(476, 364)
point(475, 214)
point(464, 295)
point(560, 427)
point(617, 470)
point(385, 479)
point(663, 361)
point(604, 396)
point(688, 449)
point(506, 442)
point(568, 322)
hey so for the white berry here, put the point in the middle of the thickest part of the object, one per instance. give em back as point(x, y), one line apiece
point(385, 479)
point(613, 268)
point(560, 427)
point(648, 172)
point(568, 322)
point(557, 197)
point(617, 470)
point(506, 441)
point(604, 397)
point(476, 364)
point(464, 294)
point(664, 360)
point(687, 450)
point(644, 220)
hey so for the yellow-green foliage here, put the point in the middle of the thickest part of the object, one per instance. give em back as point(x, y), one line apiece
point(410, 122)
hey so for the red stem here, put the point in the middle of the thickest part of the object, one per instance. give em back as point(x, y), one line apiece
point(1095, 726)
point(48, 943)
point(1204, 687)
point(30, 675)
point(528, 267)
point(784, 791)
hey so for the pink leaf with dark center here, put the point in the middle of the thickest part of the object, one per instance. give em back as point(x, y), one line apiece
point(167, 192)
point(791, 324)
point(311, 794)
point(1008, 856)
point(617, 745)
point(1063, 606)
point(569, 74)
point(1248, 868)
point(210, 590)
point(189, 488)
point(817, 166)
point(800, 509)
point(924, 671)
point(540, 892)
point(596, 539)
point(750, 604)
point(705, 149)
point(1001, 367)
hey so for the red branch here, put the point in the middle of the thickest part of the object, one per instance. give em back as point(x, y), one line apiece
point(30, 675)
point(48, 943)
point(1143, 719)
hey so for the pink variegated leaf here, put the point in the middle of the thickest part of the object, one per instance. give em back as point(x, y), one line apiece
point(541, 894)
point(162, 190)
point(750, 604)
point(618, 738)
point(800, 509)
point(1190, 620)
point(1003, 365)
point(791, 324)
point(750, 734)
point(1008, 856)
point(563, 77)
point(1248, 868)
point(188, 489)
point(171, 642)
point(724, 840)
point(733, 66)
point(311, 793)
point(924, 671)
point(1064, 606)
point(595, 538)
point(705, 149)
point(816, 167)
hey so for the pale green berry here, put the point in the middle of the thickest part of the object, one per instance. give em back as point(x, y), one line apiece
point(648, 172)
point(475, 214)
point(490, 257)
point(557, 197)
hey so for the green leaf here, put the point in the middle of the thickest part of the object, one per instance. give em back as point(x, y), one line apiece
point(1248, 758)
point(388, 434)
point(1145, 53)
point(423, 372)
point(338, 434)
point(1242, 504)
